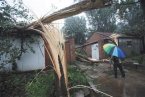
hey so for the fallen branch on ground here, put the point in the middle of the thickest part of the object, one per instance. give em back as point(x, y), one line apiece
point(91, 88)
point(87, 59)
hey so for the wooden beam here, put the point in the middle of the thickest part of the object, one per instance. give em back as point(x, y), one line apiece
point(77, 8)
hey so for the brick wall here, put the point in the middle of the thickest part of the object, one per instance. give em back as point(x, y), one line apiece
point(70, 50)
point(98, 38)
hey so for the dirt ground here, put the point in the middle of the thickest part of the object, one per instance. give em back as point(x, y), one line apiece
point(133, 85)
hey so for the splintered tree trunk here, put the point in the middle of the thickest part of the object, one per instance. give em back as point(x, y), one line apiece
point(60, 84)
point(60, 87)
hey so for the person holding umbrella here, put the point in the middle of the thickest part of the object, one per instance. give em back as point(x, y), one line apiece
point(117, 64)
point(116, 53)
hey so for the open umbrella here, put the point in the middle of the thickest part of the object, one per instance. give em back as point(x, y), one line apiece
point(113, 50)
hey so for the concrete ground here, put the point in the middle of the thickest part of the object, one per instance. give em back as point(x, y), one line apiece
point(103, 77)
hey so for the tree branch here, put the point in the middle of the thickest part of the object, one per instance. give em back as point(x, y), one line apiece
point(83, 86)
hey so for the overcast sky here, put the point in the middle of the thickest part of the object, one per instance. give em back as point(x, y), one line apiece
point(42, 8)
point(45, 7)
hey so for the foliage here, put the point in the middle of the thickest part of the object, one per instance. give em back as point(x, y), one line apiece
point(122, 16)
point(102, 20)
point(19, 85)
point(12, 49)
point(75, 27)
point(36, 85)
point(8, 54)
point(76, 77)
point(141, 59)
point(14, 14)
point(13, 85)
point(42, 86)
point(132, 18)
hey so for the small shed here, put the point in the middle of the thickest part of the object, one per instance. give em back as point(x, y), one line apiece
point(94, 45)
point(129, 44)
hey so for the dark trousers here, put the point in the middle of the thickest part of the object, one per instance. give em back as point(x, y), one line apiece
point(118, 65)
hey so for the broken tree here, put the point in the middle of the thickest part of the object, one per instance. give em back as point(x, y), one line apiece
point(55, 49)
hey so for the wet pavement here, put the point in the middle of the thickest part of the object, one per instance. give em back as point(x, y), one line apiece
point(102, 75)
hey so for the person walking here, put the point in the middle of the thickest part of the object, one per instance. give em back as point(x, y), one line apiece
point(117, 64)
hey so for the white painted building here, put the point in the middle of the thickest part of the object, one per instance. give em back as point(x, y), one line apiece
point(29, 60)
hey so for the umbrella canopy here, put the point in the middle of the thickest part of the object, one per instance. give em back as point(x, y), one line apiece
point(113, 50)
point(108, 47)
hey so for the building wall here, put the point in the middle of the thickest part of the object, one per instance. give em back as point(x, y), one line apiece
point(102, 53)
point(131, 46)
point(29, 60)
point(98, 38)
point(135, 48)
point(88, 50)
point(70, 50)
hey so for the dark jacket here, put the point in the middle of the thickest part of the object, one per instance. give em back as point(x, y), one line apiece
point(115, 60)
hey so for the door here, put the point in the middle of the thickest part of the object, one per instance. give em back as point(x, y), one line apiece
point(95, 51)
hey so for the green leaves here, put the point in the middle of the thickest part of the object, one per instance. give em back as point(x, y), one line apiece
point(13, 14)
point(76, 77)
point(75, 27)
point(42, 86)
point(102, 20)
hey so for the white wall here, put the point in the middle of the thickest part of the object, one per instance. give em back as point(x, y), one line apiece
point(29, 60)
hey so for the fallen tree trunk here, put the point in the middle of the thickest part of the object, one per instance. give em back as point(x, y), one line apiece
point(87, 59)
point(72, 10)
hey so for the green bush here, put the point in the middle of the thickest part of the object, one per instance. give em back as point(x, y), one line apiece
point(33, 85)
point(141, 59)
point(76, 77)
point(42, 86)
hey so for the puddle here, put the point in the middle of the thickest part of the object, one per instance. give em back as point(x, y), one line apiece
point(129, 87)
